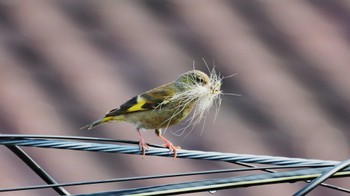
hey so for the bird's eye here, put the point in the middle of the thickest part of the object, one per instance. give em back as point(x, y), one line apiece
point(200, 80)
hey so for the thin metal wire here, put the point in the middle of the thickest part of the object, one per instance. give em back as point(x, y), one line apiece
point(224, 183)
point(80, 138)
point(241, 159)
point(327, 174)
point(188, 154)
point(96, 139)
point(37, 169)
point(330, 186)
point(185, 174)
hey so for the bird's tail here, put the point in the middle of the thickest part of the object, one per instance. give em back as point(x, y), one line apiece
point(99, 122)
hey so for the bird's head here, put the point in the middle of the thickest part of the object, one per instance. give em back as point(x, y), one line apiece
point(200, 82)
point(196, 86)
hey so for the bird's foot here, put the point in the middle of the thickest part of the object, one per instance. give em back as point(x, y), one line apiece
point(172, 148)
point(143, 147)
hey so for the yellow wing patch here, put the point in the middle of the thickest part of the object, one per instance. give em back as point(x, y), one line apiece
point(149, 100)
point(138, 105)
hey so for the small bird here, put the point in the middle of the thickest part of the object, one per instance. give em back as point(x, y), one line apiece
point(168, 105)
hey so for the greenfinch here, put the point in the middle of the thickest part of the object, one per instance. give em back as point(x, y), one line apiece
point(168, 105)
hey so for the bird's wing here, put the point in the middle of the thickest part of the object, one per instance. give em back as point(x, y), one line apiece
point(149, 100)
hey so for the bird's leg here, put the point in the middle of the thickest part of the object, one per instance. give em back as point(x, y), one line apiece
point(142, 143)
point(167, 144)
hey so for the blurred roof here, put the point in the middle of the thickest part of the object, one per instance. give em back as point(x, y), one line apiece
point(65, 63)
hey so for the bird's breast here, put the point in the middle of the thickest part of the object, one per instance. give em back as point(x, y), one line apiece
point(162, 117)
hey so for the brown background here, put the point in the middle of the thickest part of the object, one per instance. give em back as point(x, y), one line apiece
point(64, 64)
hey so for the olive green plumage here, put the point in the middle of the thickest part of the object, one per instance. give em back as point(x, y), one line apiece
point(153, 109)
point(158, 108)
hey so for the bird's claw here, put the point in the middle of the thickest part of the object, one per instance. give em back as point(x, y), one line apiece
point(172, 148)
point(143, 146)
